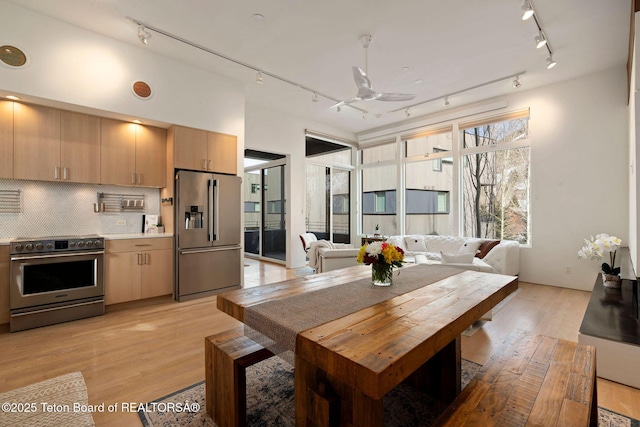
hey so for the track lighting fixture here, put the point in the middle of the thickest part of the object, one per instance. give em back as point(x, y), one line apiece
point(541, 40)
point(516, 82)
point(143, 34)
point(550, 62)
point(364, 115)
point(338, 109)
point(446, 101)
point(527, 10)
point(407, 112)
point(144, 37)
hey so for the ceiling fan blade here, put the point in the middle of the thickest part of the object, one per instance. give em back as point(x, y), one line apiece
point(396, 97)
point(347, 102)
point(361, 78)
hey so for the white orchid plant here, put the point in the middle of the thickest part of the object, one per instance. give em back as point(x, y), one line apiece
point(596, 247)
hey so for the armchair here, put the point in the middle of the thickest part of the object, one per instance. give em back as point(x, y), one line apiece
point(327, 256)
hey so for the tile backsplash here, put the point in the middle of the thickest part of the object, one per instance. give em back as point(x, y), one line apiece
point(66, 209)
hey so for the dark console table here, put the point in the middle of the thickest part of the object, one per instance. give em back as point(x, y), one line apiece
point(611, 323)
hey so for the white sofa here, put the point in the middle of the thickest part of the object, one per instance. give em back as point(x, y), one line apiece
point(461, 252)
point(503, 258)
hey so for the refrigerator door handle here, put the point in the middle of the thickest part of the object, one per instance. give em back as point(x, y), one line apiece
point(210, 212)
point(201, 251)
point(216, 209)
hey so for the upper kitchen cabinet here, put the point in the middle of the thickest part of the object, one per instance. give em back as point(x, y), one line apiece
point(36, 153)
point(79, 147)
point(190, 148)
point(223, 153)
point(200, 150)
point(132, 154)
point(6, 139)
point(55, 145)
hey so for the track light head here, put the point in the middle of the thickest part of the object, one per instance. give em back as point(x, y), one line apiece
point(364, 115)
point(259, 78)
point(407, 112)
point(527, 10)
point(446, 101)
point(540, 39)
point(550, 62)
point(314, 97)
point(143, 34)
point(516, 82)
point(338, 109)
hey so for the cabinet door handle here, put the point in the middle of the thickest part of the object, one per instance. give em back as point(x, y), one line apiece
point(55, 172)
point(204, 163)
point(139, 178)
point(146, 259)
point(65, 174)
point(133, 177)
point(209, 165)
point(139, 259)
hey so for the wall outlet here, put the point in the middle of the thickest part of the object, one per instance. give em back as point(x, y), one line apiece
point(567, 269)
point(121, 222)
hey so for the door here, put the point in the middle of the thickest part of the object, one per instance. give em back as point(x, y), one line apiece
point(274, 231)
point(192, 204)
point(36, 142)
point(225, 210)
point(207, 271)
point(118, 152)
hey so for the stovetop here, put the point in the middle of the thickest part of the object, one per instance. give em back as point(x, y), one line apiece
point(56, 244)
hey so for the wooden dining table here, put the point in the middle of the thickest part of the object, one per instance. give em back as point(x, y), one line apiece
point(352, 342)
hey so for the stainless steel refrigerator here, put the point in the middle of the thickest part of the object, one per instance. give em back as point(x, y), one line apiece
point(208, 250)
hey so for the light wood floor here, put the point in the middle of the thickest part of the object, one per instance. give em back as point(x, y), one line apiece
point(140, 351)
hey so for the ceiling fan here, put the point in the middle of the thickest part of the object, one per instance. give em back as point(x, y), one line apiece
point(365, 92)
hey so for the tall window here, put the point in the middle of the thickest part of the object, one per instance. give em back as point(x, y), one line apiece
point(428, 182)
point(495, 179)
point(379, 179)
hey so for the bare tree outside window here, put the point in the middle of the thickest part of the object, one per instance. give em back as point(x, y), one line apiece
point(496, 181)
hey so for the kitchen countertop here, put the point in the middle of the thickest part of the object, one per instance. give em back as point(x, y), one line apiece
point(6, 241)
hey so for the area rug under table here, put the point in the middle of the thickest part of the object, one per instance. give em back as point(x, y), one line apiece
point(270, 402)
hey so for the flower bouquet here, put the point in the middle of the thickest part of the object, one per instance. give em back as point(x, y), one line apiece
point(382, 257)
point(595, 248)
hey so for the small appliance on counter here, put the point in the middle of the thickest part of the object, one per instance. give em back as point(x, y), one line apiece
point(208, 229)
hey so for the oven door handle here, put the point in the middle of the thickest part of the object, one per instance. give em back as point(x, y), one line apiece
point(27, 257)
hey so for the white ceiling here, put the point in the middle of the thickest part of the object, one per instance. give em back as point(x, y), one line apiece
point(449, 45)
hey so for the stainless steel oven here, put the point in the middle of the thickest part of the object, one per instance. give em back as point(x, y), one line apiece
point(55, 280)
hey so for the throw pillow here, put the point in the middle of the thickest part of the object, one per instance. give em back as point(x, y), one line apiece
point(456, 258)
point(415, 244)
point(397, 241)
point(485, 247)
point(470, 246)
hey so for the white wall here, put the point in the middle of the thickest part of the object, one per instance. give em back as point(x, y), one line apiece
point(276, 132)
point(75, 66)
point(579, 178)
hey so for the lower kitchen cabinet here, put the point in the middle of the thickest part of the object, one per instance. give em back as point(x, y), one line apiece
point(4, 284)
point(138, 268)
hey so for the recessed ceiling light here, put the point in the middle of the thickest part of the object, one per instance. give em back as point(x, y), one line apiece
point(138, 121)
point(418, 81)
point(257, 17)
point(405, 69)
point(13, 97)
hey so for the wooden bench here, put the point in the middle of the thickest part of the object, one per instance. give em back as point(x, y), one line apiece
point(532, 381)
point(227, 355)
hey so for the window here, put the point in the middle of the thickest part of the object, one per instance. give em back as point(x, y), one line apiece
point(275, 207)
point(495, 179)
point(379, 202)
point(252, 206)
point(340, 204)
point(426, 202)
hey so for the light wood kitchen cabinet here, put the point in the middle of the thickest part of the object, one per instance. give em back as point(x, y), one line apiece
point(223, 153)
point(79, 147)
point(6, 139)
point(132, 154)
point(190, 148)
point(36, 153)
point(4, 284)
point(197, 149)
point(55, 145)
point(138, 268)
